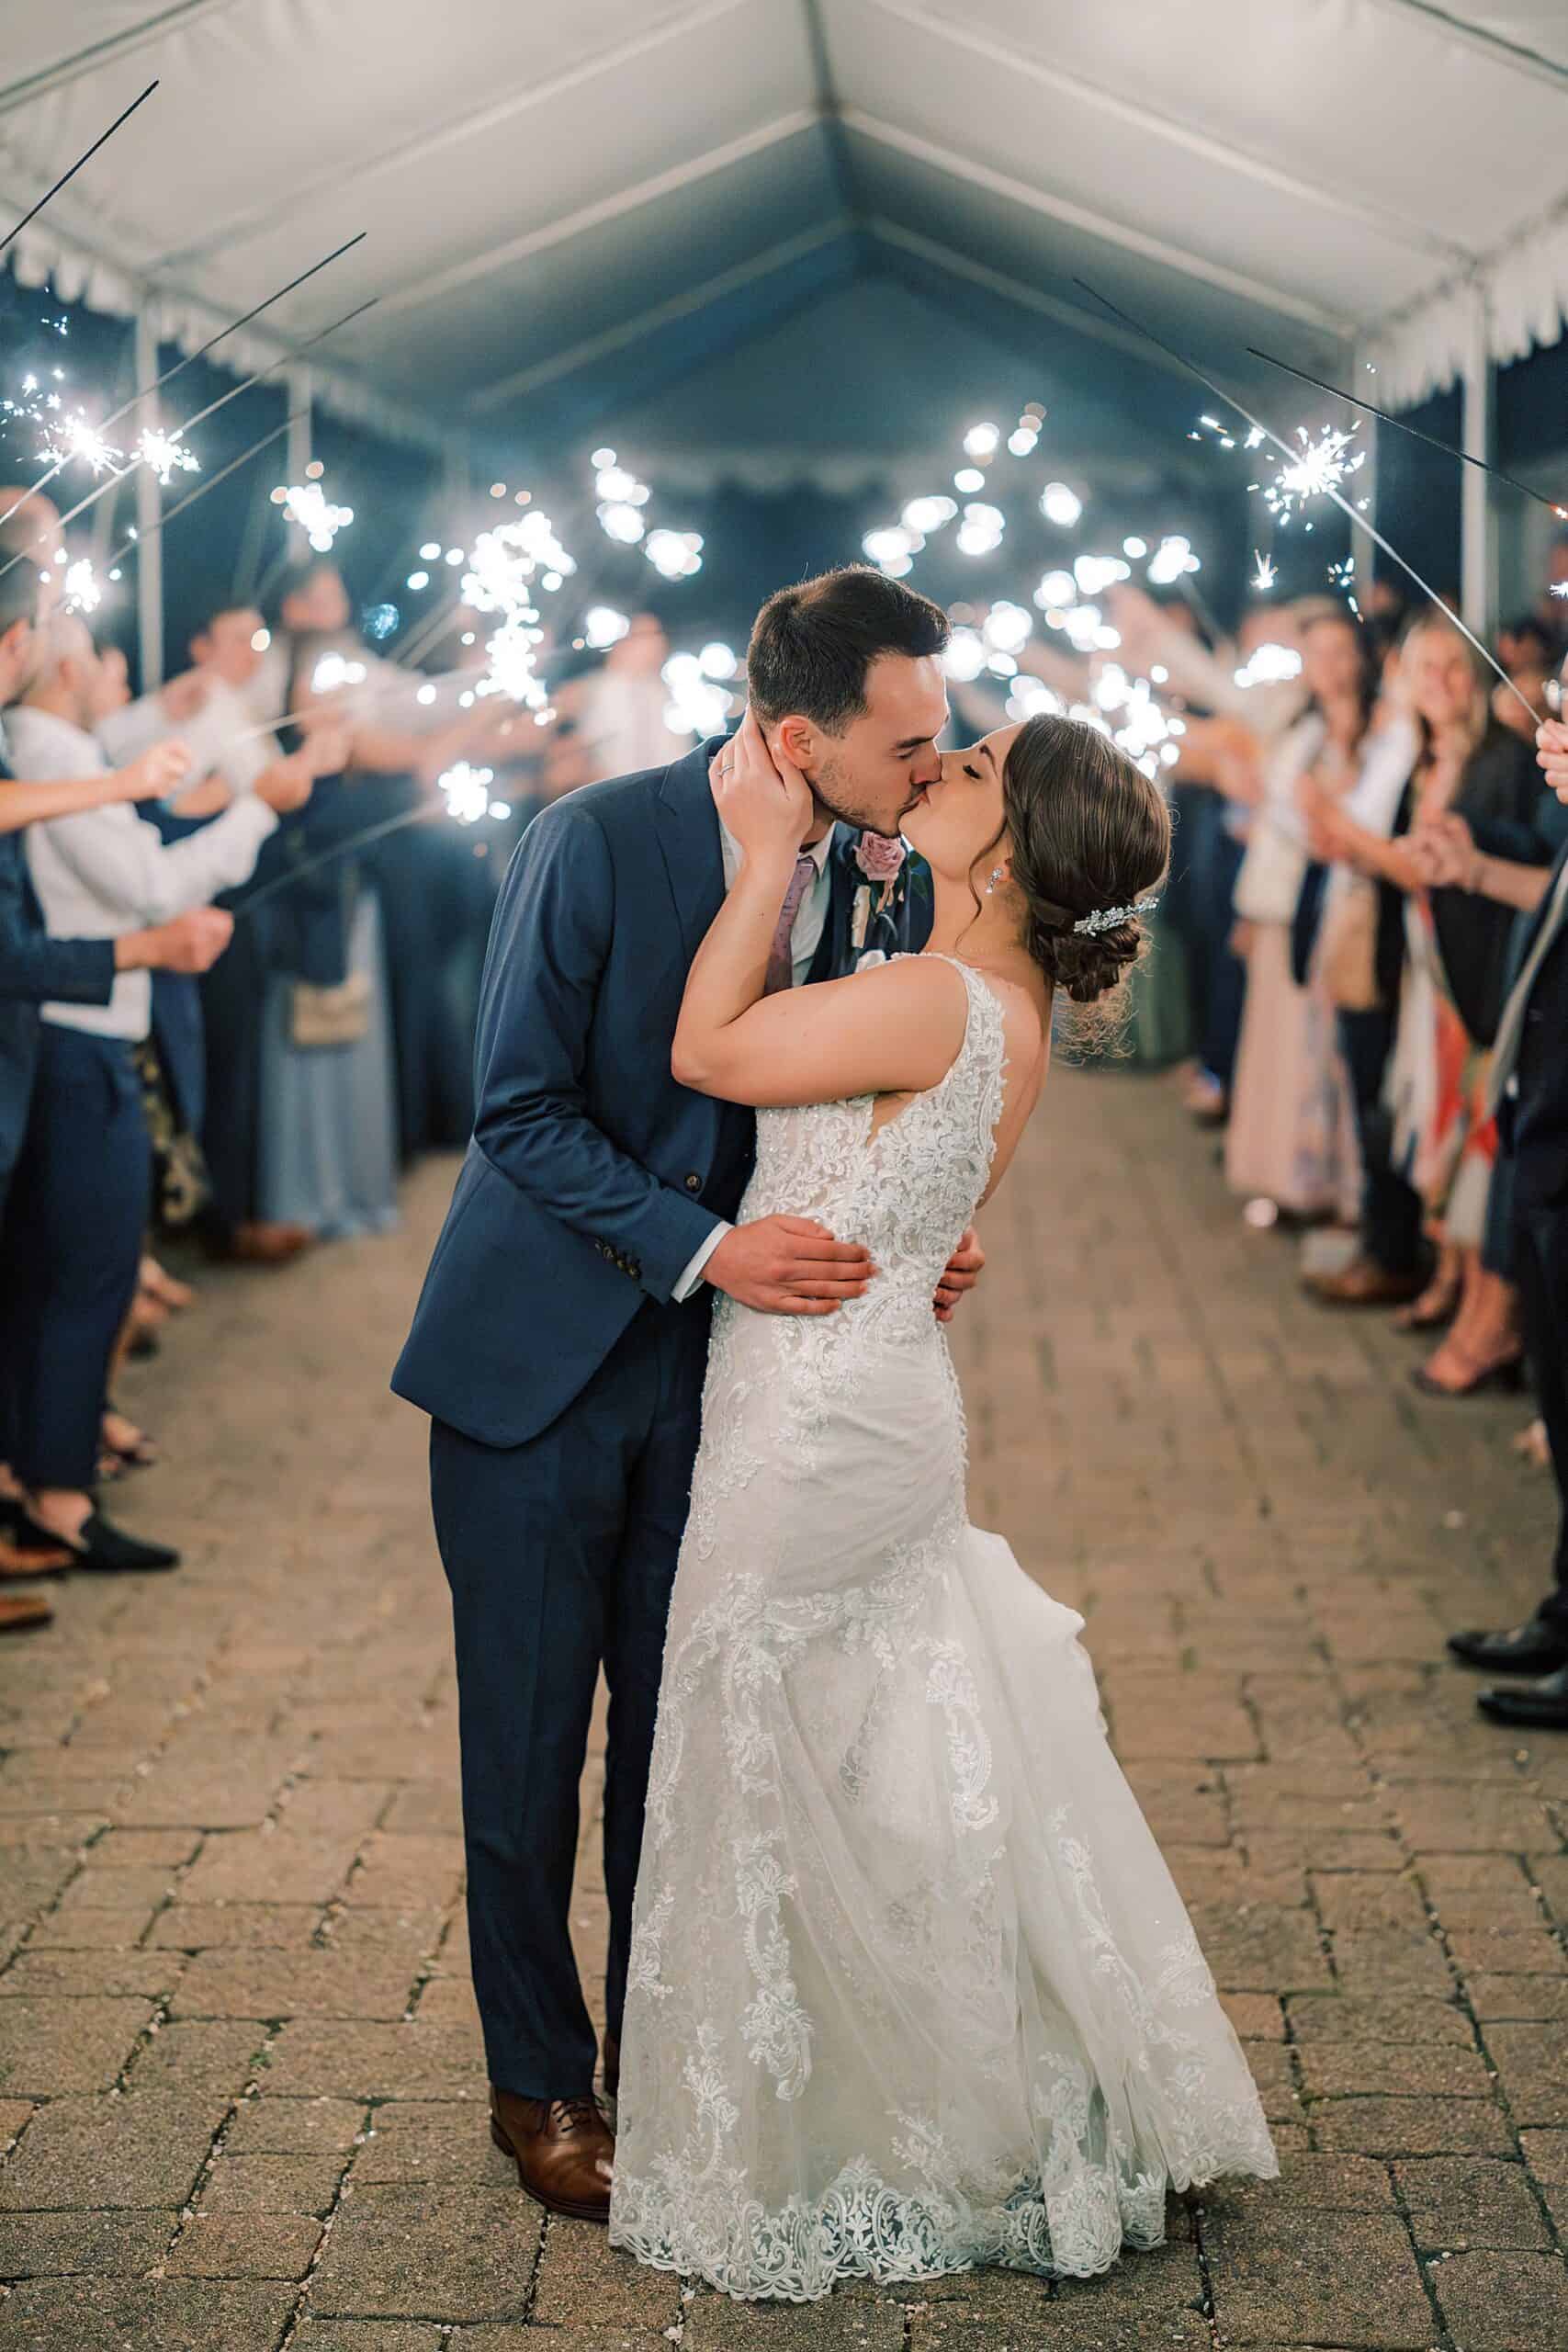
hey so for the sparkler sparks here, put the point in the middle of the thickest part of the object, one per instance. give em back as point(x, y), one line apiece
point(1267, 572)
point(165, 454)
point(307, 503)
point(467, 791)
point(82, 591)
point(77, 436)
point(1321, 469)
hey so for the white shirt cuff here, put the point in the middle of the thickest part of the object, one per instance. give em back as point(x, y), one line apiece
point(693, 1272)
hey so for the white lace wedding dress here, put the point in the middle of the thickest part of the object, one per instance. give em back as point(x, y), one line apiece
point(912, 1987)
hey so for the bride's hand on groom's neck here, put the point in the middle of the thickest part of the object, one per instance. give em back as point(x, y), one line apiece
point(764, 800)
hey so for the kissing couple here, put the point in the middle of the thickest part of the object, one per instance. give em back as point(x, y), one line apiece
point(897, 1980)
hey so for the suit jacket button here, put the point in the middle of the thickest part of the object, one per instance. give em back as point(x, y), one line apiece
point(693, 1184)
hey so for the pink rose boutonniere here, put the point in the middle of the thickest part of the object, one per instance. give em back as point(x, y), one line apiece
point(879, 859)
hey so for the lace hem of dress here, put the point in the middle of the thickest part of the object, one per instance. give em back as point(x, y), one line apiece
point(864, 2229)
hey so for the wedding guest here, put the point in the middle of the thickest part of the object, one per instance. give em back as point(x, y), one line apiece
point(1291, 1135)
point(1529, 1094)
point(1457, 948)
point(80, 1198)
point(209, 1034)
point(327, 1129)
point(35, 969)
point(622, 706)
point(1348, 935)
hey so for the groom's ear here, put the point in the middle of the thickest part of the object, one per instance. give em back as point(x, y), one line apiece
point(797, 738)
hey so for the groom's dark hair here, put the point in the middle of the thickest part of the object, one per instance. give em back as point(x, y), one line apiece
point(813, 643)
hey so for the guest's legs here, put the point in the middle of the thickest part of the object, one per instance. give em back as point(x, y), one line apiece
point(1390, 1209)
point(76, 1222)
point(1540, 1238)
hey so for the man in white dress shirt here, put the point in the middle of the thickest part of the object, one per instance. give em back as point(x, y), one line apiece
point(81, 1194)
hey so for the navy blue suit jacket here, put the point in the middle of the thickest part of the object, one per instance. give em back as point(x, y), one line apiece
point(34, 970)
point(593, 1178)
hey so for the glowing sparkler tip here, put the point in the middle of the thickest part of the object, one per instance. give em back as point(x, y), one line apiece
point(1267, 572)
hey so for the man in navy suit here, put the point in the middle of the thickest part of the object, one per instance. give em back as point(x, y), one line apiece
point(560, 1342)
point(1530, 1083)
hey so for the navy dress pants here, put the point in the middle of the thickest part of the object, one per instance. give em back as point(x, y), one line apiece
point(1541, 1268)
point(560, 1554)
point(74, 1224)
point(1391, 1212)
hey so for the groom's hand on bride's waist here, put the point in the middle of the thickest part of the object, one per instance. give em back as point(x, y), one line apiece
point(789, 1265)
point(961, 1273)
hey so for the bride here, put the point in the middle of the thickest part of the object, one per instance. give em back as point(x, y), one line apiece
point(910, 1985)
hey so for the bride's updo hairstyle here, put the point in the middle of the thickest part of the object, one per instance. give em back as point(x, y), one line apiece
point(1088, 832)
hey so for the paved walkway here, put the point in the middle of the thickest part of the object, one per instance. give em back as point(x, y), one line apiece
point(240, 2070)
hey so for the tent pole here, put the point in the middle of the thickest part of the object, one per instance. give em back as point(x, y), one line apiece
point(1362, 545)
point(299, 422)
point(149, 507)
point(1478, 524)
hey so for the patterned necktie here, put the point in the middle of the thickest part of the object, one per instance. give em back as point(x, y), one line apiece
point(780, 956)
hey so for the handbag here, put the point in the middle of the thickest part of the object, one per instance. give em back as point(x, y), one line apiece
point(1347, 947)
point(338, 1015)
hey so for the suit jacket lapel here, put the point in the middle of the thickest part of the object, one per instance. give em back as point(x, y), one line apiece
point(690, 842)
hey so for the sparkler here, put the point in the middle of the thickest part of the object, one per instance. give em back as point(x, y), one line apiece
point(144, 391)
point(1315, 470)
point(1263, 579)
point(166, 452)
point(1450, 447)
point(1331, 490)
point(76, 166)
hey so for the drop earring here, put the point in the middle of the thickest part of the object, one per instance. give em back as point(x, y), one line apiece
point(998, 873)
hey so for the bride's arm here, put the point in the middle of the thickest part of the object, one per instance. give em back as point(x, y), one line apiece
point(891, 1031)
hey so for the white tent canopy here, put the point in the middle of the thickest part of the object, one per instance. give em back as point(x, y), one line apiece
point(547, 188)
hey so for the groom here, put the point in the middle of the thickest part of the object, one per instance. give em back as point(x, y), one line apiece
point(561, 1337)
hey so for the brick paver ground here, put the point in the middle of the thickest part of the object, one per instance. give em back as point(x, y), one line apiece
point(241, 2078)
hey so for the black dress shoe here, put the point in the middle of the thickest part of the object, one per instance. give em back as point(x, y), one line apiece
point(1530, 1706)
point(98, 1544)
point(1537, 1646)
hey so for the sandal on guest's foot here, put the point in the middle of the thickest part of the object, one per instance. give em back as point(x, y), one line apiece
point(1437, 1304)
point(156, 1283)
point(122, 1442)
point(1507, 1374)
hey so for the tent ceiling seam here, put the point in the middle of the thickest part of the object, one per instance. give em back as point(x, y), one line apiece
point(430, 286)
point(490, 117)
point(1190, 136)
point(1096, 224)
point(100, 53)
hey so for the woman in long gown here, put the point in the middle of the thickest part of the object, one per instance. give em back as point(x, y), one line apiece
point(910, 1986)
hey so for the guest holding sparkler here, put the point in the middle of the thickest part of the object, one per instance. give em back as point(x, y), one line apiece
point(1291, 1138)
point(80, 1198)
point(400, 751)
point(36, 969)
point(1476, 853)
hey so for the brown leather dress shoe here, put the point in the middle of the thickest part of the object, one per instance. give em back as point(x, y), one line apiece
point(266, 1245)
point(1363, 1283)
point(18, 1561)
point(22, 1608)
point(563, 2149)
